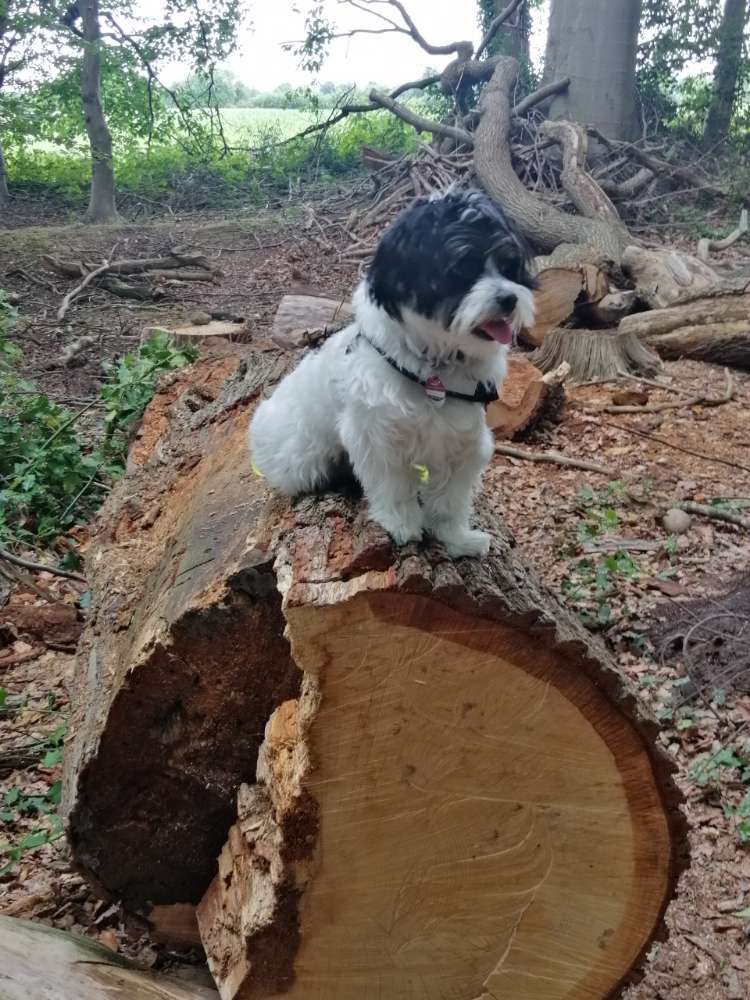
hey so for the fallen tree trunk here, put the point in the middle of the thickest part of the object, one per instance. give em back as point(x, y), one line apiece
point(39, 961)
point(546, 227)
point(662, 277)
point(451, 762)
point(709, 329)
point(560, 292)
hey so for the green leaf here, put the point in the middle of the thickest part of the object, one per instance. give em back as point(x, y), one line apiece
point(51, 758)
point(32, 840)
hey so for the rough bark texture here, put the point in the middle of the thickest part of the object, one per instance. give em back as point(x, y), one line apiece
point(661, 277)
point(4, 192)
point(40, 962)
point(527, 399)
point(544, 226)
point(709, 329)
point(595, 354)
point(183, 657)
point(727, 72)
point(463, 764)
point(102, 207)
point(595, 44)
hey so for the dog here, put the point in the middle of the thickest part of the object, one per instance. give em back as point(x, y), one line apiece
point(400, 394)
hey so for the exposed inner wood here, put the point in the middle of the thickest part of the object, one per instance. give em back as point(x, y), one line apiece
point(457, 772)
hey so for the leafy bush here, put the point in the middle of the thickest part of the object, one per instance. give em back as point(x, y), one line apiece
point(49, 479)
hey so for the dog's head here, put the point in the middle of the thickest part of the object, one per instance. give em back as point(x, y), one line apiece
point(454, 272)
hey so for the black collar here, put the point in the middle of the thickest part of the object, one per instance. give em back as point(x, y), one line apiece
point(483, 393)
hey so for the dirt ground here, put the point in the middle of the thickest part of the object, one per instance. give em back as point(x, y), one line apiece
point(563, 519)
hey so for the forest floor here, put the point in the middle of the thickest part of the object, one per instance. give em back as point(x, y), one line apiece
point(597, 540)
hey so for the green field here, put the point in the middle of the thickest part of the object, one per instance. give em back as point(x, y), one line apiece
point(253, 123)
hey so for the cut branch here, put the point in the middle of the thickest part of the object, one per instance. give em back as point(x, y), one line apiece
point(716, 513)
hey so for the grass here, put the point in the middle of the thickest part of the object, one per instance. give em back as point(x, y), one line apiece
point(243, 125)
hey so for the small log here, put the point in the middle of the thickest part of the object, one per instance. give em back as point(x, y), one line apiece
point(609, 310)
point(301, 319)
point(560, 291)
point(38, 961)
point(596, 354)
point(662, 277)
point(708, 329)
point(527, 399)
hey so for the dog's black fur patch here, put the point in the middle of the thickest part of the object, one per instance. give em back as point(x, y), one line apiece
point(436, 249)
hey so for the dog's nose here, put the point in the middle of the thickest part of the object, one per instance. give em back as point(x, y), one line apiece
point(508, 303)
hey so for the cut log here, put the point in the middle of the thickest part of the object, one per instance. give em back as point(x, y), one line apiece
point(527, 399)
point(457, 795)
point(709, 329)
point(609, 310)
point(595, 354)
point(196, 334)
point(662, 277)
point(560, 290)
point(302, 320)
point(40, 962)
point(452, 772)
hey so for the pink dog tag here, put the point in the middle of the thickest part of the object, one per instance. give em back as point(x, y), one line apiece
point(435, 390)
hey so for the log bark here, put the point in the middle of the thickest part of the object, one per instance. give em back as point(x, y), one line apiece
point(595, 354)
point(38, 961)
point(528, 399)
point(448, 756)
point(102, 207)
point(544, 226)
point(710, 329)
point(383, 833)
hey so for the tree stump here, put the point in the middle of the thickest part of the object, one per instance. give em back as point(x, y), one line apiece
point(595, 354)
point(456, 796)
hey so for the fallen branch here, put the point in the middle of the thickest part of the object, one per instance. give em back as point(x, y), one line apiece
point(677, 447)
point(706, 245)
point(40, 567)
point(555, 458)
point(704, 510)
point(680, 403)
point(75, 292)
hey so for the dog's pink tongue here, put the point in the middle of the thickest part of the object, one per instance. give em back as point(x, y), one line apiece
point(499, 330)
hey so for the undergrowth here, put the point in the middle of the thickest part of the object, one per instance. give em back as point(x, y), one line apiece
point(50, 480)
point(182, 177)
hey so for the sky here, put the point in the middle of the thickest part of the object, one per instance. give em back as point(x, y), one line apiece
point(387, 59)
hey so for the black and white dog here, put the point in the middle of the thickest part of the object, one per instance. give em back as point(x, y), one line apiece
point(399, 393)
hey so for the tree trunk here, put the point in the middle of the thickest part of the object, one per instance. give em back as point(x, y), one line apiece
point(39, 961)
point(4, 192)
point(595, 354)
point(513, 37)
point(595, 44)
point(727, 72)
point(102, 207)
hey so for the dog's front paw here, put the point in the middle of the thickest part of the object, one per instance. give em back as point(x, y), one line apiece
point(402, 528)
point(469, 542)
